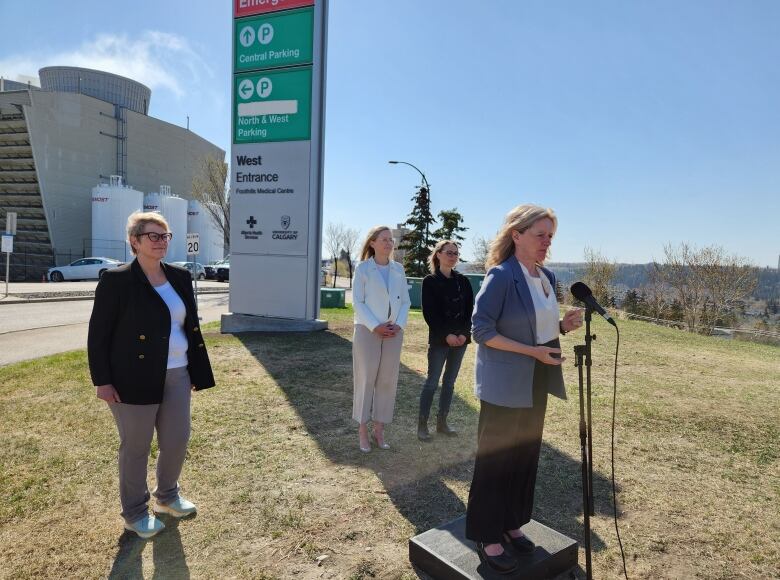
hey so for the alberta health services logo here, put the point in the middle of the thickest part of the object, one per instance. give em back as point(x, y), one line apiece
point(251, 233)
point(285, 233)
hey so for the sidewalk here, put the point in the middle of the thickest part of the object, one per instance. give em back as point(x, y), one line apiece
point(24, 292)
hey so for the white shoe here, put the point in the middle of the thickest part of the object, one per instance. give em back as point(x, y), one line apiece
point(178, 508)
point(146, 527)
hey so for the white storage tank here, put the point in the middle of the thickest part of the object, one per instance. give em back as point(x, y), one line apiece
point(112, 204)
point(174, 209)
point(200, 221)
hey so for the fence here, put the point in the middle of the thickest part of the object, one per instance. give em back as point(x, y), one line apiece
point(725, 332)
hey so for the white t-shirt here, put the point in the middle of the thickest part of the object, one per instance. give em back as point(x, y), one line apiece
point(385, 272)
point(177, 341)
point(545, 305)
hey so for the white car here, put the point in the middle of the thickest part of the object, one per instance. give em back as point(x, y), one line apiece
point(199, 268)
point(83, 269)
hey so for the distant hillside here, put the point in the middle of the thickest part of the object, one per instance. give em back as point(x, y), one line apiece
point(627, 276)
point(630, 276)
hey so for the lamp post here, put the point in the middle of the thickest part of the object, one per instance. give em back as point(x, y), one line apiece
point(426, 188)
point(424, 181)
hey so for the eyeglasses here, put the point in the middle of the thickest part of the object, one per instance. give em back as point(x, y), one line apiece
point(155, 237)
point(451, 254)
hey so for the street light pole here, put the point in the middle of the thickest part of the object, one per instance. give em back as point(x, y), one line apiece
point(424, 180)
point(427, 191)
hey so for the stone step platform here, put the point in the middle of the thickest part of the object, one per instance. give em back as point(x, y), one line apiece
point(445, 554)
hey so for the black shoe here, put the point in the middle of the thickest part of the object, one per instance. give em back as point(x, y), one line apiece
point(422, 429)
point(442, 427)
point(522, 544)
point(503, 563)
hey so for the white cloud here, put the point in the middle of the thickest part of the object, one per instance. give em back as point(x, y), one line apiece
point(159, 60)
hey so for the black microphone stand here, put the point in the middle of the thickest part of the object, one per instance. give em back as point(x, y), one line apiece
point(583, 351)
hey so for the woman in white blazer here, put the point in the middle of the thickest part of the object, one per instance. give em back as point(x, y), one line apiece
point(380, 297)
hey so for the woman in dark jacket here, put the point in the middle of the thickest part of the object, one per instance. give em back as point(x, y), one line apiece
point(447, 302)
point(146, 354)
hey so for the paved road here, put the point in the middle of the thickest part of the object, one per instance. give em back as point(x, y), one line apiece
point(24, 288)
point(29, 331)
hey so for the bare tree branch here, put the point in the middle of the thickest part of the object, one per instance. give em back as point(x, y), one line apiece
point(481, 248)
point(350, 242)
point(599, 273)
point(210, 188)
point(334, 243)
point(707, 282)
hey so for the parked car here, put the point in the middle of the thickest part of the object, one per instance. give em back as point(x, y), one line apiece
point(83, 269)
point(199, 268)
point(211, 269)
point(223, 272)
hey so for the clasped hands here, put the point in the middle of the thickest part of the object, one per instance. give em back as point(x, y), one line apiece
point(387, 329)
point(455, 340)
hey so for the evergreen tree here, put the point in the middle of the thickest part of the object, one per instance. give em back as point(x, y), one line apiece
point(630, 302)
point(418, 241)
point(642, 307)
point(450, 225)
point(676, 310)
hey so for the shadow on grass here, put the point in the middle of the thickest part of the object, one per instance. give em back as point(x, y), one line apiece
point(315, 373)
point(167, 555)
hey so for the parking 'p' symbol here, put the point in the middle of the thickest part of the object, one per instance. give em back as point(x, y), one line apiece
point(265, 33)
point(264, 87)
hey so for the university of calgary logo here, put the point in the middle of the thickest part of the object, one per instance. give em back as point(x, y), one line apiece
point(285, 221)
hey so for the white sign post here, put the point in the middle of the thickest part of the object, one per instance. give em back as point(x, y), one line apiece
point(193, 249)
point(8, 244)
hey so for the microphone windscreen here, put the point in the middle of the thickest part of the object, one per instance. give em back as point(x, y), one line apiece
point(580, 291)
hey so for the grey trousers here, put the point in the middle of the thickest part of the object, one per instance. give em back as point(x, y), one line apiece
point(136, 425)
point(375, 363)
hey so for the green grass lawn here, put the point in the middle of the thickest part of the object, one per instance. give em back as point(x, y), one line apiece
point(279, 481)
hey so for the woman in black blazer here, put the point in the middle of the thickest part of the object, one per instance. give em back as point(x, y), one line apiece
point(447, 302)
point(146, 355)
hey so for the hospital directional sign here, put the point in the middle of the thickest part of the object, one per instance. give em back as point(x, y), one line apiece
point(272, 106)
point(273, 40)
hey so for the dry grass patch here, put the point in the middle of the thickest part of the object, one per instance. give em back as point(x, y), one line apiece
point(274, 466)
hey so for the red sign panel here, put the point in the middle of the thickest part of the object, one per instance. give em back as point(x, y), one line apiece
point(251, 7)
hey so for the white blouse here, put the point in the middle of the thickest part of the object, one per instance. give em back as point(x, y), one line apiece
point(177, 342)
point(545, 305)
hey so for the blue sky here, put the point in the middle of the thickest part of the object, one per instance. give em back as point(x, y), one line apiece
point(640, 123)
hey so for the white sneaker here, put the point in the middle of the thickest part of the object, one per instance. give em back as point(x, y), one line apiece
point(146, 527)
point(178, 508)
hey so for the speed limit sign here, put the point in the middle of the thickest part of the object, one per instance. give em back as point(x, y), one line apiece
point(193, 244)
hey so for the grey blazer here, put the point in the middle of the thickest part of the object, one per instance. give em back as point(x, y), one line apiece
point(504, 306)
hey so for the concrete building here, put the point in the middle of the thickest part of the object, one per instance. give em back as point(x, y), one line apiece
point(59, 141)
point(398, 235)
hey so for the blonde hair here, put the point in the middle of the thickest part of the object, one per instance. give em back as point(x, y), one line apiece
point(367, 251)
point(433, 259)
point(138, 221)
point(517, 220)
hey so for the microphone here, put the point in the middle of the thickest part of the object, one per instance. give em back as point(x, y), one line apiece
point(582, 293)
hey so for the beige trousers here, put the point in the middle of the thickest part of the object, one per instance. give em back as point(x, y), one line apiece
point(375, 363)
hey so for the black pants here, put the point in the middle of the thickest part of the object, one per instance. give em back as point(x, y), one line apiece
point(509, 440)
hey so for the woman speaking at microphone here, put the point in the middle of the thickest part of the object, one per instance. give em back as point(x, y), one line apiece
point(516, 326)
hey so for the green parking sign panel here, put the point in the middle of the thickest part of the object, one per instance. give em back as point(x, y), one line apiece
point(272, 106)
point(273, 40)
